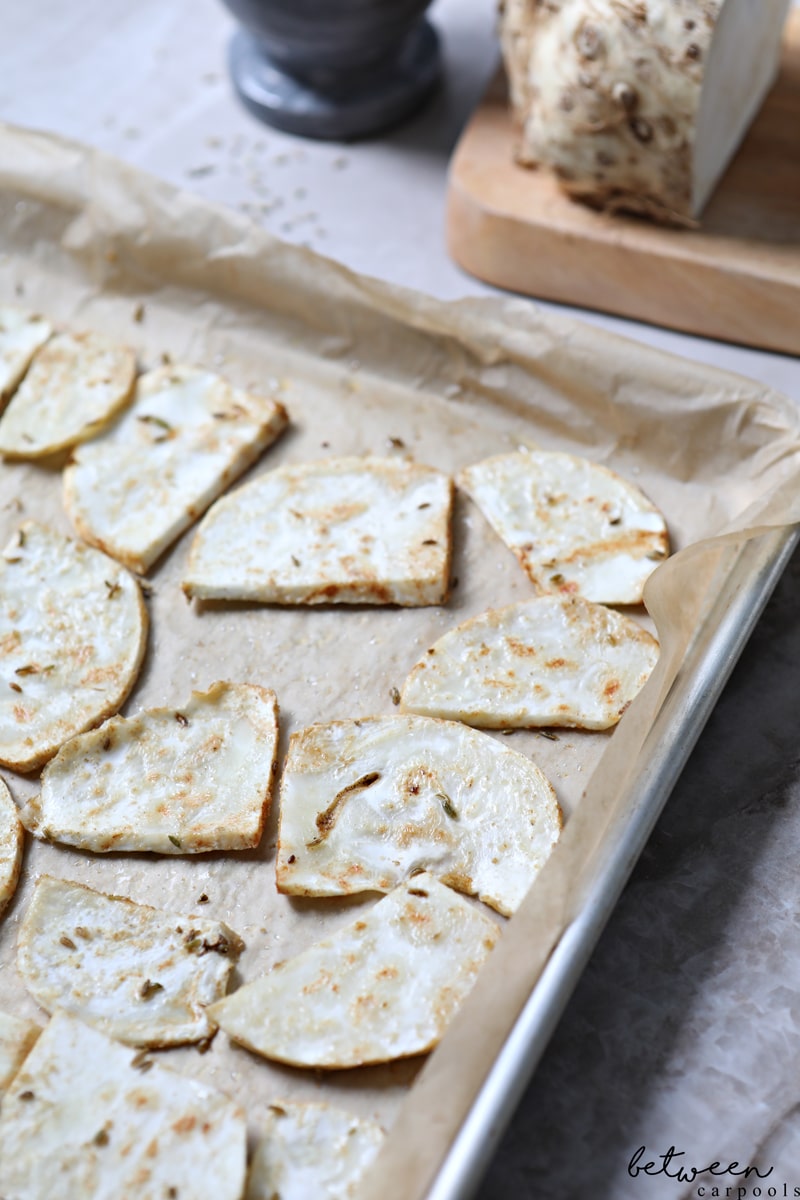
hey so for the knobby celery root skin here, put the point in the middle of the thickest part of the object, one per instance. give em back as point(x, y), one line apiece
point(609, 93)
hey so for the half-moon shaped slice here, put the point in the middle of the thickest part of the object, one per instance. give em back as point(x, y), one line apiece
point(175, 781)
point(384, 987)
point(342, 531)
point(366, 803)
point(576, 527)
point(185, 438)
point(76, 385)
point(547, 661)
point(73, 629)
point(21, 335)
point(138, 974)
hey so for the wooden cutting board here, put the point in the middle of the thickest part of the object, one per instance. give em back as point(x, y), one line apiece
point(737, 277)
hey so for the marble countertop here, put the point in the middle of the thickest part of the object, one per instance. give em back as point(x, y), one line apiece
point(685, 1028)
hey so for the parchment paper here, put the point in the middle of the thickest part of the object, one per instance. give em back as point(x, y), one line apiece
point(357, 362)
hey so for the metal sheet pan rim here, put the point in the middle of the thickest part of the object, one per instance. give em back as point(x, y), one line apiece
point(666, 751)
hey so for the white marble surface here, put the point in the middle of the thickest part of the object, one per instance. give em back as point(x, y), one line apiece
point(685, 1029)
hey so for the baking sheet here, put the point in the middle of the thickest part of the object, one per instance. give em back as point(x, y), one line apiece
point(511, 1053)
point(358, 363)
